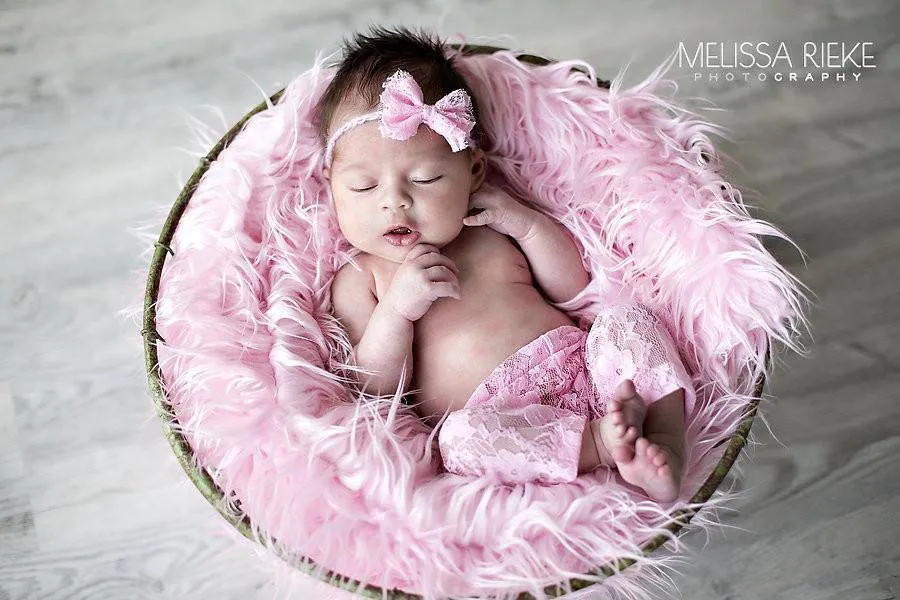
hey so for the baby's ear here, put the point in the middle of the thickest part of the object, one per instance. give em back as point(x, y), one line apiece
point(479, 168)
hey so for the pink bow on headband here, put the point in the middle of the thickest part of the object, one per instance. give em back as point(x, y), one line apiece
point(403, 110)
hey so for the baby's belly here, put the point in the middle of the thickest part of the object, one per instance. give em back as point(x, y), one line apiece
point(459, 342)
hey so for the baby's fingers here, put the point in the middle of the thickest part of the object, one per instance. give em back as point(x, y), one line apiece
point(433, 259)
point(445, 289)
point(420, 250)
point(441, 273)
point(488, 215)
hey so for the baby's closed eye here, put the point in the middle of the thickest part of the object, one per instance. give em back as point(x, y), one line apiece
point(426, 180)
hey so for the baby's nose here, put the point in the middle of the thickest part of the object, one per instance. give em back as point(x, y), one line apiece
point(394, 199)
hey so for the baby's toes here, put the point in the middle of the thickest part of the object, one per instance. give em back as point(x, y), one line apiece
point(623, 432)
point(656, 455)
point(615, 411)
point(641, 446)
point(630, 435)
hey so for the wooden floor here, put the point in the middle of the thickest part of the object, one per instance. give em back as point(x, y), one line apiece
point(93, 97)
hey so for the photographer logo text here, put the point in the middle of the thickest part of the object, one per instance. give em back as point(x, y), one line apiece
point(808, 62)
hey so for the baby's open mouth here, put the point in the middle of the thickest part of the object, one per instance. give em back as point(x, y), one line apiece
point(401, 236)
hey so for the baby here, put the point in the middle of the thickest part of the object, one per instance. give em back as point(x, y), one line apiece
point(458, 280)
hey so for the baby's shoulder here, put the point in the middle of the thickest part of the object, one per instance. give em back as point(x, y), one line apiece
point(354, 275)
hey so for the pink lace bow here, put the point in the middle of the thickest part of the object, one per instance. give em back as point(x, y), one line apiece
point(402, 109)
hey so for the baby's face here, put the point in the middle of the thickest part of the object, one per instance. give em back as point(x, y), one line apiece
point(381, 186)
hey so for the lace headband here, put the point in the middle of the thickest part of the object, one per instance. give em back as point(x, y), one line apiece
point(402, 109)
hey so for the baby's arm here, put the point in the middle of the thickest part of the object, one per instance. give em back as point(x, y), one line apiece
point(554, 258)
point(551, 251)
point(381, 337)
point(381, 330)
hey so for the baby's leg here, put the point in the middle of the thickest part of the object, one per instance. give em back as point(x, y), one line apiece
point(658, 463)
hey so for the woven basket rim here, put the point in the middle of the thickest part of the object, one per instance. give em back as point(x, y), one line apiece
point(217, 497)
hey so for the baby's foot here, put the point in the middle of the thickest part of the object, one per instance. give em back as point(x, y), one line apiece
point(656, 469)
point(623, 423)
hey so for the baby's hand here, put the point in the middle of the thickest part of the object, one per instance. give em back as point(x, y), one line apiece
point(423, 277)
point(501, 212)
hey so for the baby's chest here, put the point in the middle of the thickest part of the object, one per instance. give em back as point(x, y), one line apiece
point(484, 256)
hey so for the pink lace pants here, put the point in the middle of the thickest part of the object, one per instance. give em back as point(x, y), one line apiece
point(579, 371)
point(524, 422)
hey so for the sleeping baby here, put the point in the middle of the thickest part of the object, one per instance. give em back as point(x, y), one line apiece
point(451, 297)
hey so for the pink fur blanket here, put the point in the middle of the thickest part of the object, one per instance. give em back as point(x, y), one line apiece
point(252, 359)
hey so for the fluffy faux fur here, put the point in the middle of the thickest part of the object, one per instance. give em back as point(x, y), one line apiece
point(254, 364)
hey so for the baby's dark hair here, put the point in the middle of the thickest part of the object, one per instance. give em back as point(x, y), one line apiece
point(368, 60)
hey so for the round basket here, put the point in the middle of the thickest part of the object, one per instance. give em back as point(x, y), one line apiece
point(216, 496)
